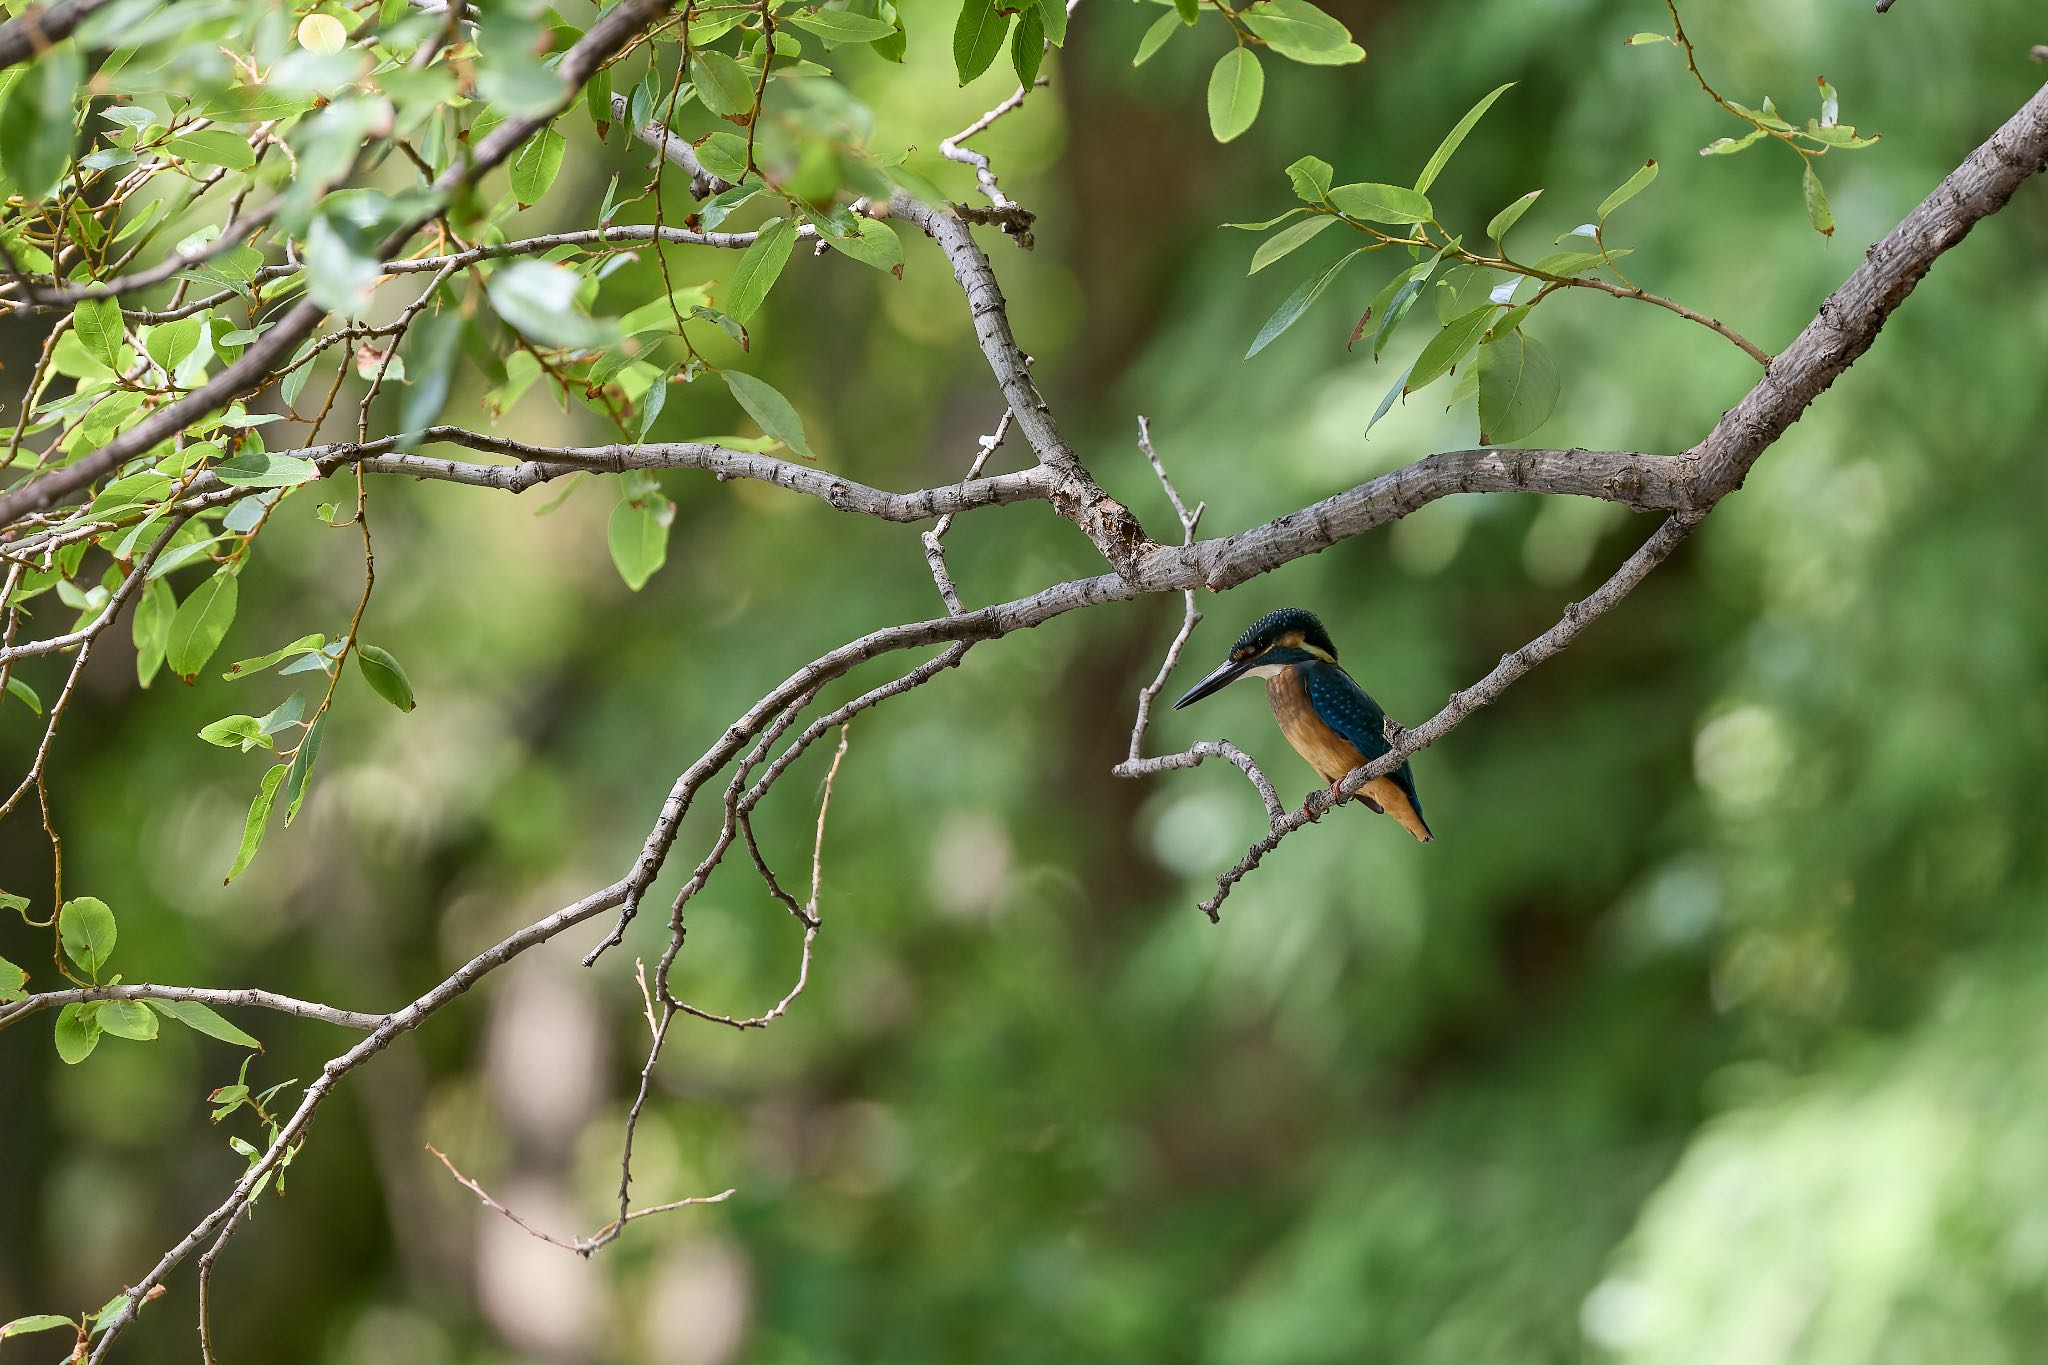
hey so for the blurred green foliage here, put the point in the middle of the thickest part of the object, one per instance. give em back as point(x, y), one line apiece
point(1705, 1031)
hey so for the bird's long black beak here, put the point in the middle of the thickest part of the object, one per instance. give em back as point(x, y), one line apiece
point(1230, 672)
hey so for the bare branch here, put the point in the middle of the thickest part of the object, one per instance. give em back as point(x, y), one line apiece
point(582, 1246)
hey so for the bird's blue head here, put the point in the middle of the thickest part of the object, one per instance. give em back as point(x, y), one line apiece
point(1287, 636)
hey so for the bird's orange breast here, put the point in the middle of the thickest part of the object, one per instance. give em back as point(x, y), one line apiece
point(1332, 755)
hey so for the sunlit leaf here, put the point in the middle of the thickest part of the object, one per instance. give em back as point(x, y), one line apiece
point(1236, 85)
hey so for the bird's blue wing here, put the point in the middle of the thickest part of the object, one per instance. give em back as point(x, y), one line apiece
point(1346, 707)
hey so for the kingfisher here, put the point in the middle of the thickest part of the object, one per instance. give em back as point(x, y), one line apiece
point(1328, 718)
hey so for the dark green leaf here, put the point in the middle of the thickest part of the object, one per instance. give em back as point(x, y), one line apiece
point(201, 623)
point(977, 37)
point(725, 87)
point(1236, 85)
point(1518, 388)
point(252, 837)
point(302, 768)
point(1053, 15)
point(1187, 10)
point(1442, 155)
point(768, 407)
point(1448, 347)
point(1287, 240)
point(1297, 303)
point(35, 124)
point(759, 267)
point(382, 672)
point(1027, 47)
point(152, 627)
point(536, 163)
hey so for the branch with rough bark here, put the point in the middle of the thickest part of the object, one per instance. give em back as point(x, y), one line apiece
point(1685, 488)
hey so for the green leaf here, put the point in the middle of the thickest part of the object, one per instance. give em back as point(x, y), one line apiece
point(1569, 263)
point(539, 299)
point(128, 1019)
point(1442, 155)
point(725, 87)
point(977, 37)
point(213, 147)
point(302, 768)
point(1518, 388)
point(229, 732)
point(1300, 32)
point(768, 407)
point(1509, 216)
point(382, 672)
point(26, 694)
point(1817, 211)
point(98, 324)
point(1381, 203)
point(1236, 85)
point(201, 623)
point(1027, 47)
point(85, 926)
point(170, 342)
point(869, 242)
point(841, 26)
point(201, 1018)
point(1288, 239)
point(78, 1032)
point(1724, 146)
point(253, 827)
point(41, 1322)
point(1274, 221)
point(1311, 178)
point(535, 165)
point(638, 536)
point(1053, 14)
point(152, 628)
point(13, 982)
point(1395, 300)
point(1164, 27)
point(1448, 347)
point(1387, 402)
point(1830, 103)
point(305, 644)
point(266, 469)
point(1187, 11)
point(35, 124)
point(1297, 303)
point(759, 267)
point(1639, 39)
point(1630, 188)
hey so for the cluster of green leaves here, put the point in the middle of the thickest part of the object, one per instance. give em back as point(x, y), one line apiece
point(1481, 298)
point(86, 934)
point(1824, 132)
point(1294, 29)
point(984, 25)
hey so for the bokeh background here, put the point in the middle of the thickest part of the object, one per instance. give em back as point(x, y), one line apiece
point(1710, 1029)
